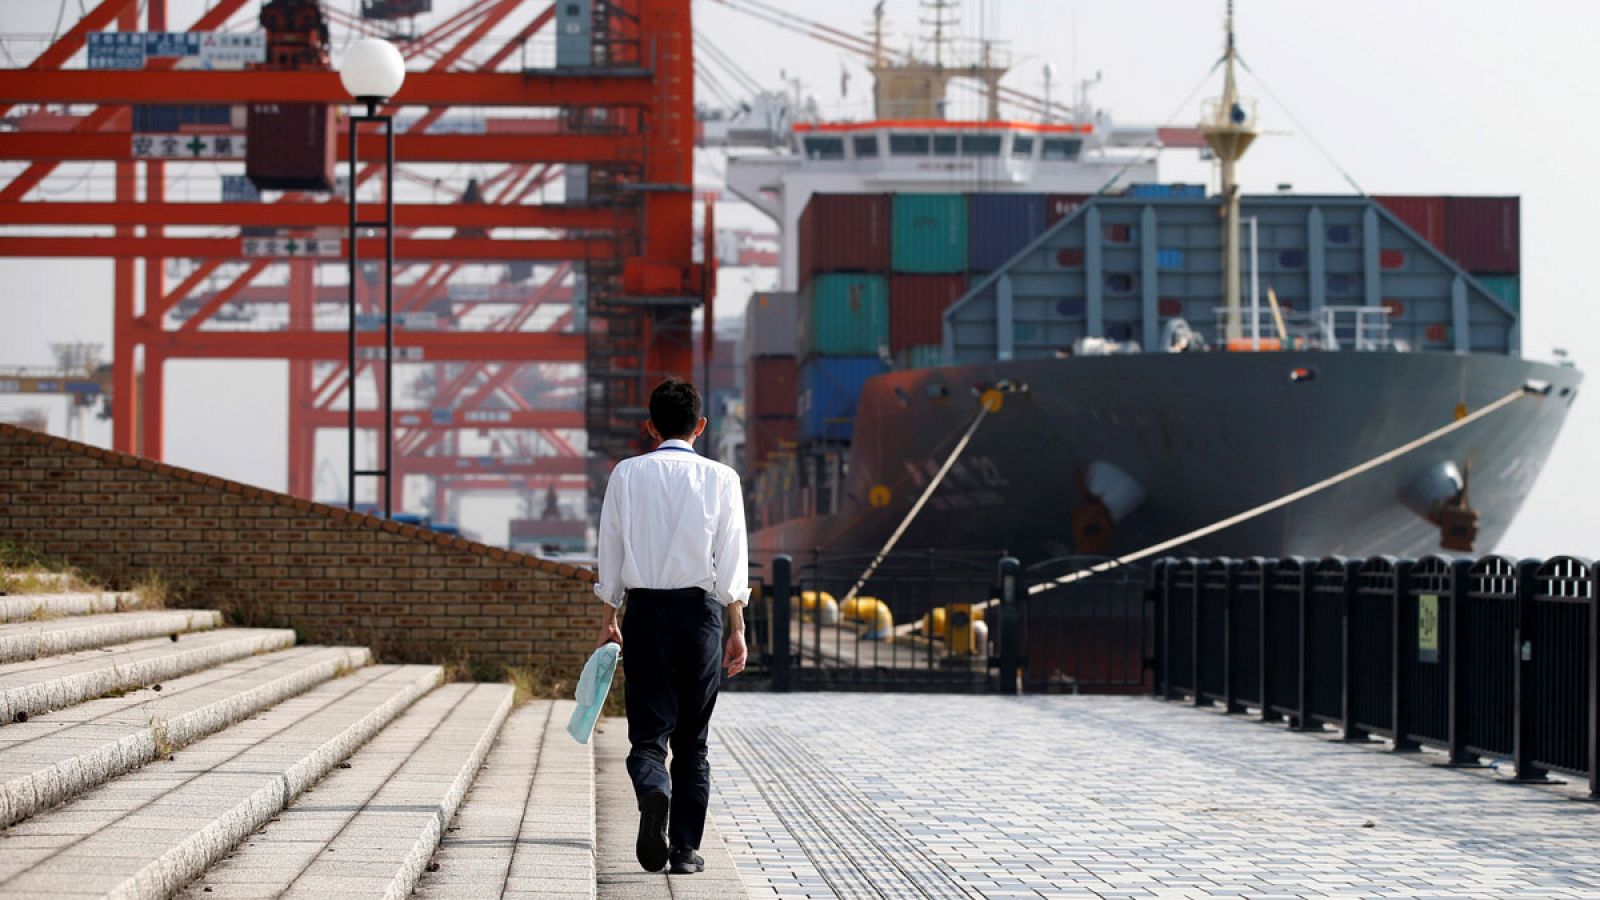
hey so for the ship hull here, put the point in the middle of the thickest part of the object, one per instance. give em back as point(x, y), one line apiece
point(1202, 437)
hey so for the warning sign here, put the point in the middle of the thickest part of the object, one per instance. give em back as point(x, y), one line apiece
point(1428, 628)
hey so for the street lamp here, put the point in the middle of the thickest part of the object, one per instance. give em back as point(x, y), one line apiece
point(372, 72)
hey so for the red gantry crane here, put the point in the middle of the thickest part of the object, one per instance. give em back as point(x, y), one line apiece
point(551, 363)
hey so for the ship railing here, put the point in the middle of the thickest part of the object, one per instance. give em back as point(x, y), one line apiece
point(1360, 328)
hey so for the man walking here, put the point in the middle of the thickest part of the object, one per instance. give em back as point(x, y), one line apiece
point(672, 543)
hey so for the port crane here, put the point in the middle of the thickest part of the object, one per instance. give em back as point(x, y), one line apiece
point(585, 202)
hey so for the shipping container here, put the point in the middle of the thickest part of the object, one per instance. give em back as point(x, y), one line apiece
point(771, 325)
point(1059, 206)
point(916, 308)
point(291, 146)
point(930, 233)
point(844, 233)
point(1482, 234)
point(922, 356)
point(1424, 215)
point(161, 118)
point(830, 387)
point(844, 314)
point(771, 386)
point(999, 225)
point(1508, 288)
point(765, 436)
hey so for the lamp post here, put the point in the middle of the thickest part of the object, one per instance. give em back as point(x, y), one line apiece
point(372, 72)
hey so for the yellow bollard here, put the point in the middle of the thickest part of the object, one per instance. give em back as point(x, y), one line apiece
point(829, 611)
point(937, 627)
point(961, 638)
point(881, 624)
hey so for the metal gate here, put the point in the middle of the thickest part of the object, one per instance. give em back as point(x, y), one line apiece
point(952, 621)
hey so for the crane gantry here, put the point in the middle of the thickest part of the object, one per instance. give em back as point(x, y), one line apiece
point(556, 367)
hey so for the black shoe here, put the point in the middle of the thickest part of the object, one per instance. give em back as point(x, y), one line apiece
point(687, 862)
point(651, 848)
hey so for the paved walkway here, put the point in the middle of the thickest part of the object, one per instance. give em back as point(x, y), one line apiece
point(880, 795)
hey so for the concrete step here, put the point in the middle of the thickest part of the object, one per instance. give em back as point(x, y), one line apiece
point(54, 757)
point(618, 876)
point(31, 640)
point(526, 829)
point(37, 607)
point(152, 831)
point(34, 687)
point(369, 829)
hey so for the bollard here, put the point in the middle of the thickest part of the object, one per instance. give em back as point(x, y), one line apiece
point(1010, 625)
point(782, 567)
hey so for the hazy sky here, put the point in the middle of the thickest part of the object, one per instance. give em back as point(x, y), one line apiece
point(1407, 96)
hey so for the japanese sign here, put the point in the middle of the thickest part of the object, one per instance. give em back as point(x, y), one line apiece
point(188, 146)
point(1428, 628)
point(291, 246)
point(192, 49)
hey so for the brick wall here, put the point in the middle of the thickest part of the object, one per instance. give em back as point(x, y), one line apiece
point(266, 558)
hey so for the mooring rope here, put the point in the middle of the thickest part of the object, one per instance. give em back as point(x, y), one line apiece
point(989, 403)
point(1286, 499)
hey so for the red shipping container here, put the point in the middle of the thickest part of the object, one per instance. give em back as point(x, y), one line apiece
point(771, 387)
point(766, 436)
point(1059, 206)
point(291, 146)
point(1424, 215)
point(916, 308)
point(844, 233)
point(1483, 234)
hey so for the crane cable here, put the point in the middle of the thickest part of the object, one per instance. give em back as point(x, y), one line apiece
point(1289, 498)
point(989, 402)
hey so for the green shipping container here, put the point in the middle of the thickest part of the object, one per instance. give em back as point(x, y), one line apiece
point(1506, 287)
point(930, 233)
point(844, 314)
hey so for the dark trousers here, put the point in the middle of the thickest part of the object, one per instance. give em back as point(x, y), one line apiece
point(671, 651)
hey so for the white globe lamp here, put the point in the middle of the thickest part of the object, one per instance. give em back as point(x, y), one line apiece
point(372, 71)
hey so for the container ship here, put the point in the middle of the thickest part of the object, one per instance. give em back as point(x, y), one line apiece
point(1167, 355)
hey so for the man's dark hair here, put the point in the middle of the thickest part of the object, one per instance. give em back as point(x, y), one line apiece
point(675, 408)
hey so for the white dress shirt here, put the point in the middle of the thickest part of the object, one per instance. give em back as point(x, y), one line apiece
point(673, 519)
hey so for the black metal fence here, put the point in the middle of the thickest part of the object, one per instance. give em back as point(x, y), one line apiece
point(944, 621)
point(1484, 659)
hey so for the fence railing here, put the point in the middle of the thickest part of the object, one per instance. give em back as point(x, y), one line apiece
point(1491, 658)
point(943, 621)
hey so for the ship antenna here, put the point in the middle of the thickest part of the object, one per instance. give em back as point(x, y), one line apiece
point(1230, 129)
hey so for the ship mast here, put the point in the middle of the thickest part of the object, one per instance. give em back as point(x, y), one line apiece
point(1230, 129)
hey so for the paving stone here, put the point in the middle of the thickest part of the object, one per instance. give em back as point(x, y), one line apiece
point(841, 794)
point(527, 826)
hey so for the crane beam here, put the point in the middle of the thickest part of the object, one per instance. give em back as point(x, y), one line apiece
point(307, 215)
point(477, 249)
point(456, 419)
point(75, 146)
point(548, 89)
point(412, 346)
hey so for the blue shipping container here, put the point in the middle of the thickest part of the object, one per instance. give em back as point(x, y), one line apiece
point(999, 225)
point(830, 387)
point(171, 118)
